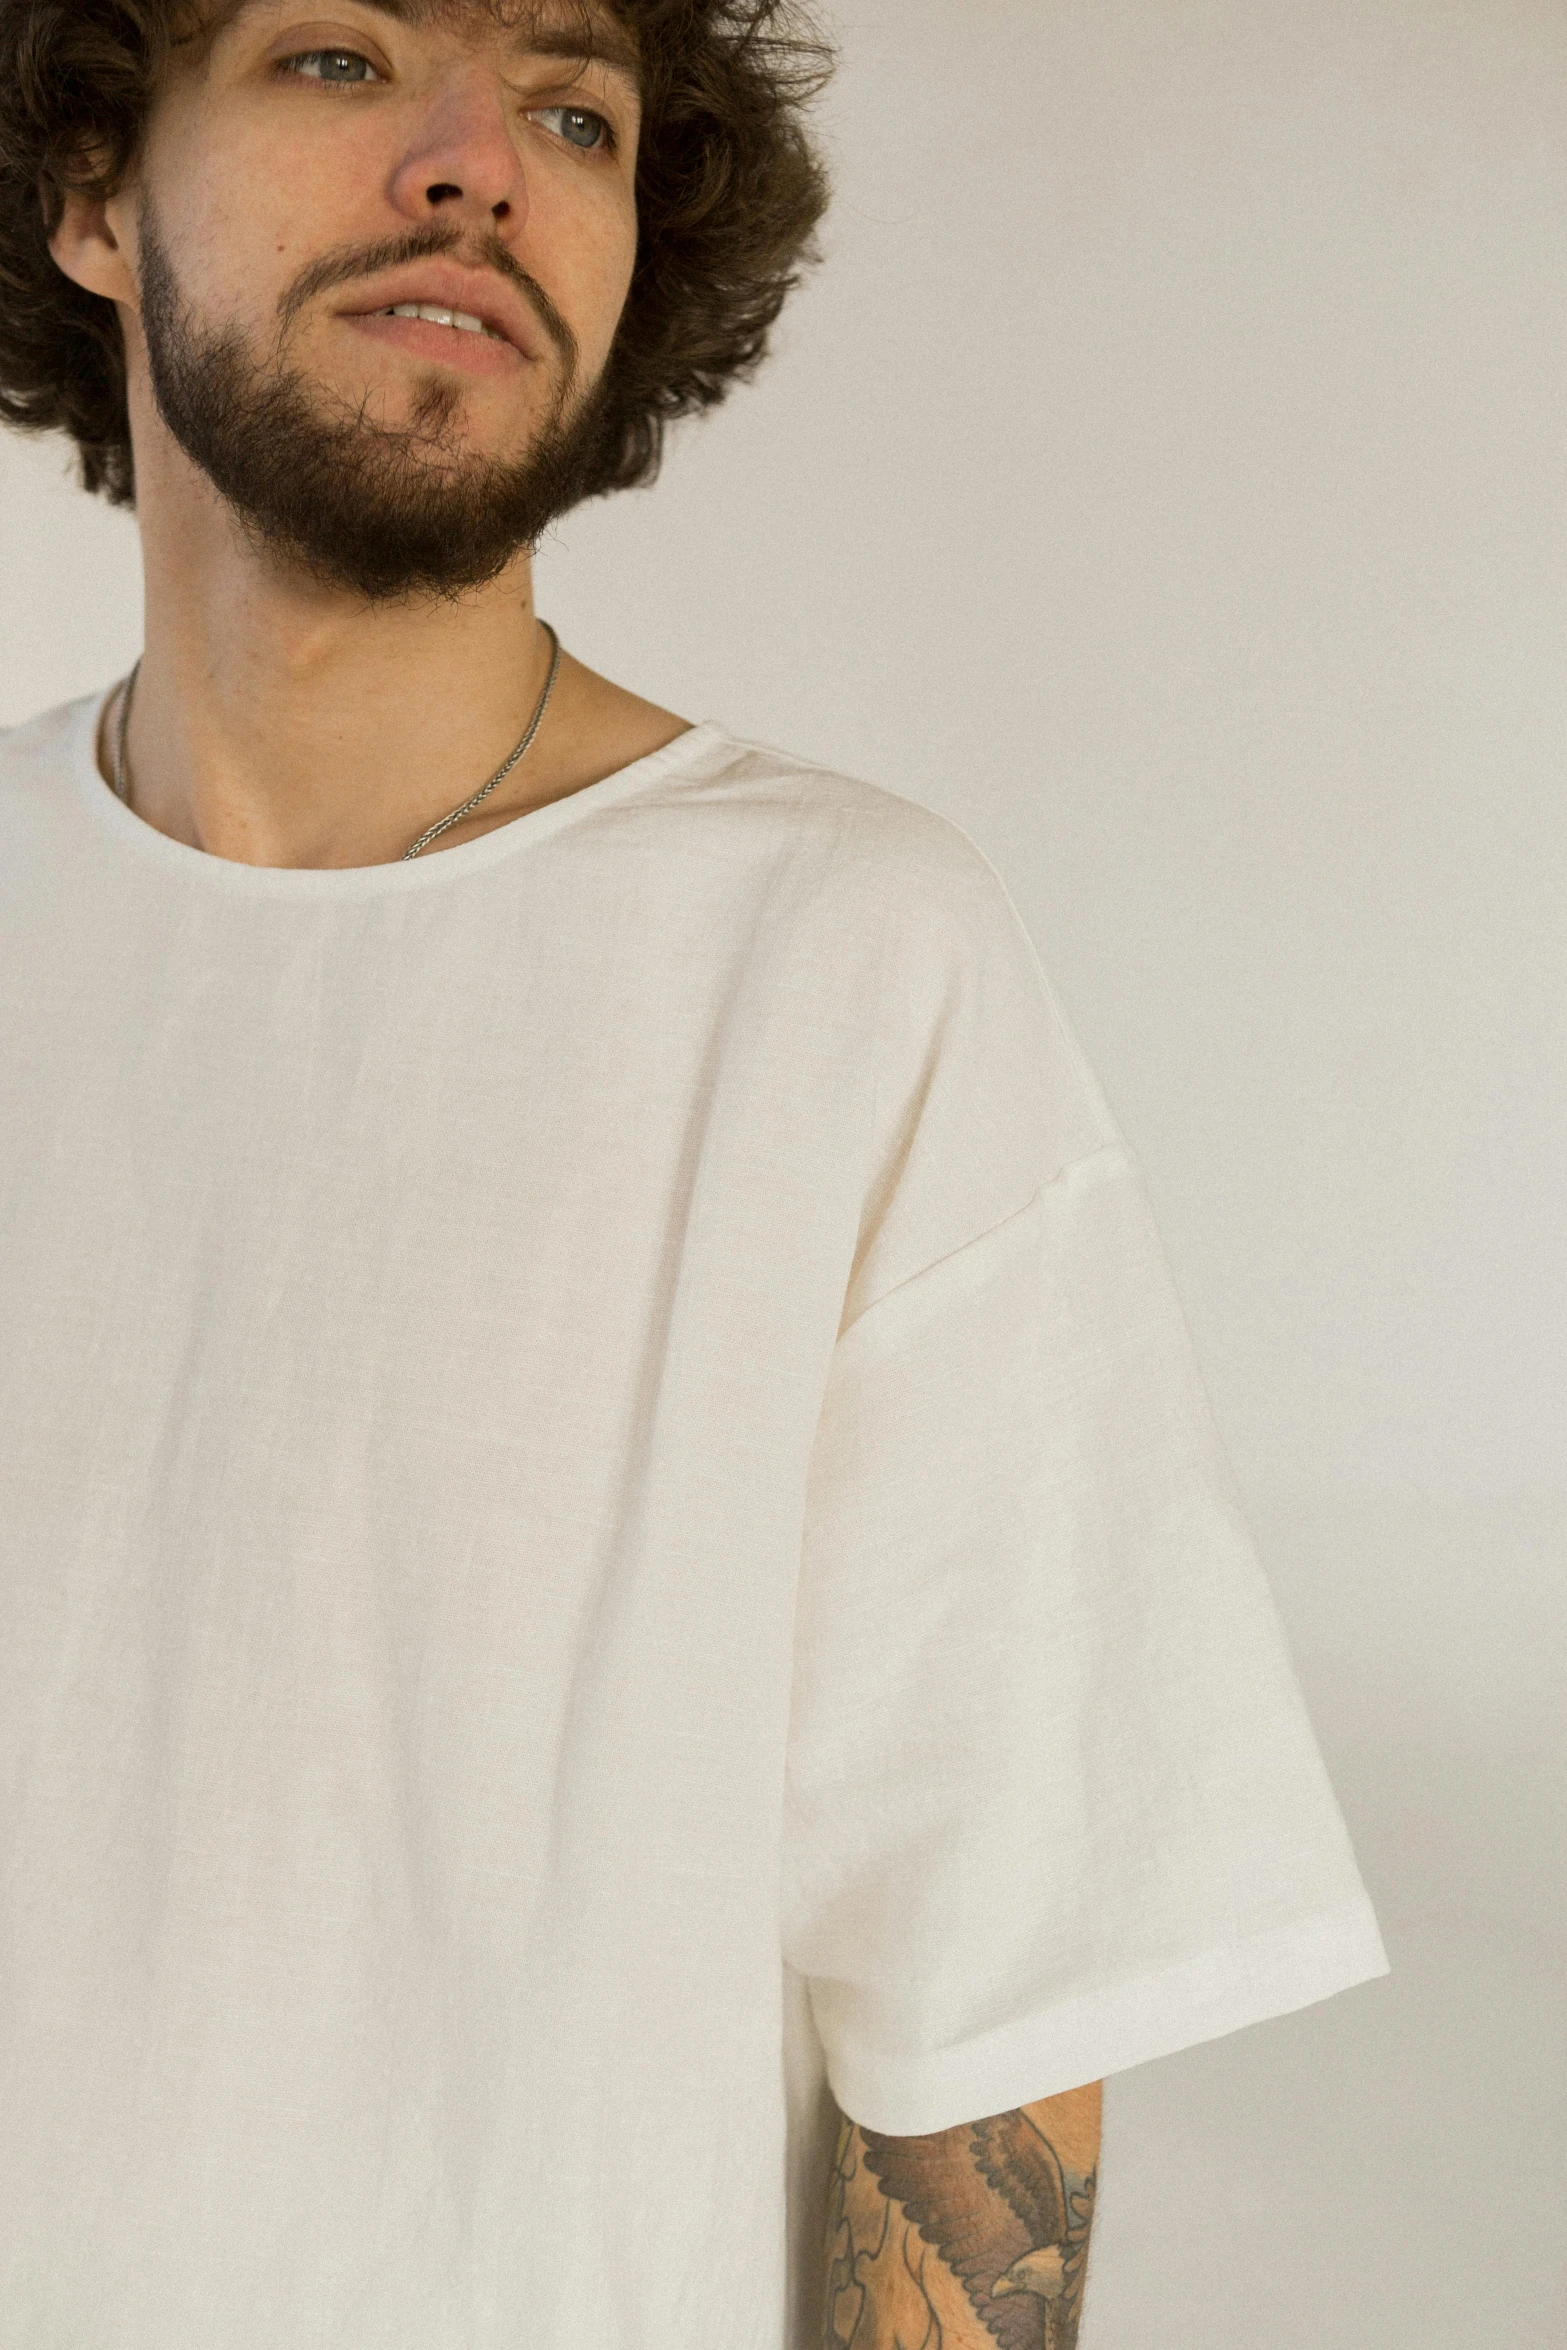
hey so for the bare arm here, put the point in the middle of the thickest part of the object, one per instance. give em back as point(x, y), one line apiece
point(975, 2236)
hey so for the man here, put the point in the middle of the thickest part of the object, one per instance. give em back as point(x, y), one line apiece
point(608, 1514)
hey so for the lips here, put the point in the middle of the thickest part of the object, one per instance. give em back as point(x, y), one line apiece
point(471, 301)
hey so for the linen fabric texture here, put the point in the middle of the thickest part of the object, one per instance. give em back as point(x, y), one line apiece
point(609, 1520)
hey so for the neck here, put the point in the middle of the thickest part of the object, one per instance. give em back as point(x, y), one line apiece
point(277, 722)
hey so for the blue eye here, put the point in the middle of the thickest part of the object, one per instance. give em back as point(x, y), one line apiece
point(331, 65)
point(574, 118)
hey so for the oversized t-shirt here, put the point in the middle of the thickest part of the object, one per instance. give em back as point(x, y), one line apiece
point(607, 1521)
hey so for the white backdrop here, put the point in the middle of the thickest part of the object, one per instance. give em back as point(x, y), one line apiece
point(1167, 478)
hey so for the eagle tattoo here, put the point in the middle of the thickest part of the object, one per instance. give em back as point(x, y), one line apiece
point(1004, 2222)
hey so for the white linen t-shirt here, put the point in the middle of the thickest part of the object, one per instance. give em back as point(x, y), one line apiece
point(606, 1516)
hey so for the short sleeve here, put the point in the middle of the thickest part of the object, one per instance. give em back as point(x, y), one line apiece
point(1053, 1805)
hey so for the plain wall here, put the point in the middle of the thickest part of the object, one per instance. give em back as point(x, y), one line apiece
point(1166, 477)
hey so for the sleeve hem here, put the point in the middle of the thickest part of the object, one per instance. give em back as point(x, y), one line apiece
point(1107, 2031)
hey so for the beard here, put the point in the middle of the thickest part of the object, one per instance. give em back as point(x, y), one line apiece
point(388, 512)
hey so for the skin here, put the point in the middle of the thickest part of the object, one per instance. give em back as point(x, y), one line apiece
point(975, 2236)
point(277, 721)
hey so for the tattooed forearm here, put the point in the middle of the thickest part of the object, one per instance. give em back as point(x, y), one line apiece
point(974, 2236)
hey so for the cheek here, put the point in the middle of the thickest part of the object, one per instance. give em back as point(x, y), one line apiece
point(243, 219)
point(597, 278)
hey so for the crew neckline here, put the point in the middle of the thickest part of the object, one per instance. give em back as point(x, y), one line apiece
point(436, 871)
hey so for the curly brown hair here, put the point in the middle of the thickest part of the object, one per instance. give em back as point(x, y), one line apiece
point(730, 192)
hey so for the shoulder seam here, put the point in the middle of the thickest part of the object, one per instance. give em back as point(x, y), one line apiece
point(1118, 1149)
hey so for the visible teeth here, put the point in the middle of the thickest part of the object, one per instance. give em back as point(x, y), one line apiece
point(463, 320)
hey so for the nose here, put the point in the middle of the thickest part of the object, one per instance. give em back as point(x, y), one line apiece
point(461, 162)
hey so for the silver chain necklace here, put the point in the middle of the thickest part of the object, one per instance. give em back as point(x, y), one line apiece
point(122, 786)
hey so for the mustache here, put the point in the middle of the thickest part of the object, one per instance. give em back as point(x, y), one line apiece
point(348, 262)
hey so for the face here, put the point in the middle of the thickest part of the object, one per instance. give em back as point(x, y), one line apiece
point(321, 174)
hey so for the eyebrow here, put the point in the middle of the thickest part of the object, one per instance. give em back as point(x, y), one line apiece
point(598, 40)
